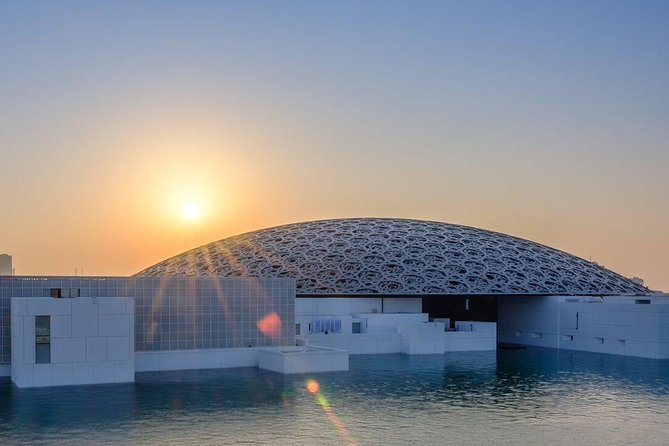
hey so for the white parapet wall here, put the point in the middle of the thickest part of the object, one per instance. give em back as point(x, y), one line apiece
point(623, 325)
point(378, 325)
point(305, 359)
point(221, 358)
point(390, 322)
point(348, 311)
point(309, 306)
point(358, 344)
point(412, 338)
point(72, 341)
point(471, 336)
point(422, 338)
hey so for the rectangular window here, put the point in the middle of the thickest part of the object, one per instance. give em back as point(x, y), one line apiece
point(537, 335)
point(297, 329)
point(599, 340)
point(642, 301)
point(357, 328)
point(42, 339)
point(567, 337)
point(56, 293)
point(42, 325)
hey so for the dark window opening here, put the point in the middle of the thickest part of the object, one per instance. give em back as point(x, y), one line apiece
point(42, 339)
point(460, 308)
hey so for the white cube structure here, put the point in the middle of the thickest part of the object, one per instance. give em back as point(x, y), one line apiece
point(83, 340)
point(303, 359)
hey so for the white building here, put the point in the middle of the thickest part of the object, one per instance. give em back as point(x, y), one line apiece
point(91, 330)
point(301, 298)
point(373, 285)
point(622, 325)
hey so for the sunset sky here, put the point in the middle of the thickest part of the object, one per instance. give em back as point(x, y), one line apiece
point(132, 131)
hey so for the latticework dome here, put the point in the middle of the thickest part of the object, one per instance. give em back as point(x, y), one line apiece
point(366, 256)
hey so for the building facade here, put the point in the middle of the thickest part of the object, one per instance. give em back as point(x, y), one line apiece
point(373, 275)
point(299, 298)
point(177, 323)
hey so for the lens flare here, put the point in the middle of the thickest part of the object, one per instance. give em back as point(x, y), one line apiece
point(314, 388)
point(270, 325)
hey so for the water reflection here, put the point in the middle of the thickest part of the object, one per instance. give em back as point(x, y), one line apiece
point(507, 396)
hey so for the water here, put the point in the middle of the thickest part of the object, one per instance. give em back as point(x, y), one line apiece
point(532, 396)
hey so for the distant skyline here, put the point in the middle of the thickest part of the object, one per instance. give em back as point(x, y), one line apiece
point(132, 131)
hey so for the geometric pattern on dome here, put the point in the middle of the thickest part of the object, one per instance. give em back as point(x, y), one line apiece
point(366, 256)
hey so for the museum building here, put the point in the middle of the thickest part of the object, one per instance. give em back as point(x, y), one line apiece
point(300, 298)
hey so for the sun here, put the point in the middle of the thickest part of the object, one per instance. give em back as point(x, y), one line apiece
point(191, 211)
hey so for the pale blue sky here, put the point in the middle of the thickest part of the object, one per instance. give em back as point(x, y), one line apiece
point(546, 120)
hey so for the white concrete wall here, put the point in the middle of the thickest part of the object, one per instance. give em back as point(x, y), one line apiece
point(422, 338)
point(471, 336)
point(196, 359)
point(348, 310)
point(358, 344)
point(92, 341)
point(370, 322)
point(304, 321)
point(615, 325)
point(290, 360)
point(528, 320)
point(389, 323)
point(413, 338)
point(309, 306)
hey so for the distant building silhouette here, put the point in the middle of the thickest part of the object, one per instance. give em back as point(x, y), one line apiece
point(5, 265)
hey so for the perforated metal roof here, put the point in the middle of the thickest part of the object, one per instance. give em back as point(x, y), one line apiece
point(365, 256)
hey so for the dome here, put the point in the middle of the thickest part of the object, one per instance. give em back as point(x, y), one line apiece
point(366, 256)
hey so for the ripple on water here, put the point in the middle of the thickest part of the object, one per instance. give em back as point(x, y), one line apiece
point(512, 396)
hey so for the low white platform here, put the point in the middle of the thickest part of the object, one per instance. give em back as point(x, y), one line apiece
point(196, 359)
point(307, 359)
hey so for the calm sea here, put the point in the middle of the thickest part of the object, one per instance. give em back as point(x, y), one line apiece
point(532, 396)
